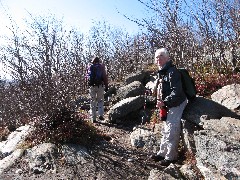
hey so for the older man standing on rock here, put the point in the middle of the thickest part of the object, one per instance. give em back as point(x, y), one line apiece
point(170, 97)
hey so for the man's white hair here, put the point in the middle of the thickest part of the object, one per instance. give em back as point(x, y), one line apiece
point(162, 51)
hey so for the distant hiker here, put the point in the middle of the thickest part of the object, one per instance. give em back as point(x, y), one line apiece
point(98, 83)
point(170, 95)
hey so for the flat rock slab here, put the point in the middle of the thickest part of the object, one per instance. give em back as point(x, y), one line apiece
point(8, 161)
point(200, 107)
point(218, 148)
point(14, 139)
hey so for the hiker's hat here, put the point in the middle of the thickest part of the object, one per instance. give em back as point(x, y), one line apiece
point(95, 60)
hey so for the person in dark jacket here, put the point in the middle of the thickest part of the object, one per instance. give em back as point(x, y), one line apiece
point(97, 92)
point(170, 94)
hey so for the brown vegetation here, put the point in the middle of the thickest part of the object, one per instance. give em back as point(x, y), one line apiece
point(48, 63)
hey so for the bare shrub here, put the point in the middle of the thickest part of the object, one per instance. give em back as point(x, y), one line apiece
point(65, 126)
point(48, 63)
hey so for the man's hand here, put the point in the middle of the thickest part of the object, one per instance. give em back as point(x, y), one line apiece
point(160, 103)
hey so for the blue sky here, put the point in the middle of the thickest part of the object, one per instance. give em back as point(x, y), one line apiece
point(77, 13)
point(80, 14)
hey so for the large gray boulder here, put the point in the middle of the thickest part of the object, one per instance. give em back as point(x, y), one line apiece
point(133, 89)
point(202, 107)
point(218, 148)
point(125, 107)
point(142, 76)
point(42, 158)
point(228, 96)
point(152, 83)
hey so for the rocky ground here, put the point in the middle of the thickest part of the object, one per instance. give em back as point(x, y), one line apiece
point(113, 158)
point(212, 151)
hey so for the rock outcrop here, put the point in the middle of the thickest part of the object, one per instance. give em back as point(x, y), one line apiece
point(210, 132)
point(133, 89)
point(74, 154)
point(125, 107)
point(228, 96)
point(14, 140)
point(171, 172)
point(9, 160)
point(218, 148)
point(202, 109)
point(41, 158)
point(142, 76)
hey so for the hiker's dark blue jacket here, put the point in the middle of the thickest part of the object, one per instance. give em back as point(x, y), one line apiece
point(172, 91)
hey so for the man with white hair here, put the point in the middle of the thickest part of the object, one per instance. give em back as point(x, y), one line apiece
point(170, 94)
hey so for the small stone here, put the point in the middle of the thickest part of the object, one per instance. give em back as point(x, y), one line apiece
point(37, 170)
point(130, 160)
point(19, 171)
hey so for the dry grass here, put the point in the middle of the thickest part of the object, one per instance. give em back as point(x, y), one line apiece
point(65, 126)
